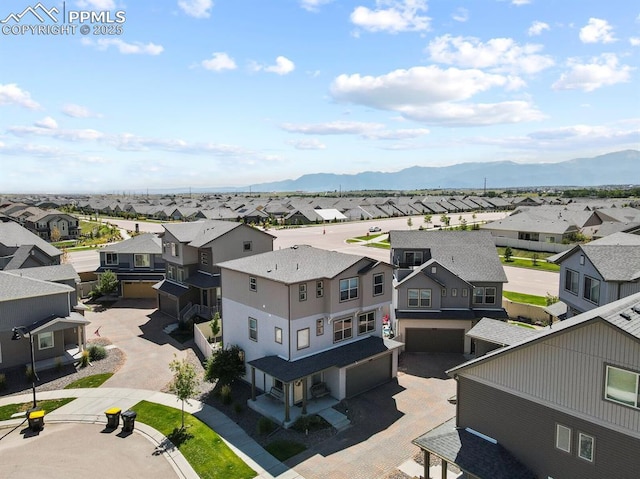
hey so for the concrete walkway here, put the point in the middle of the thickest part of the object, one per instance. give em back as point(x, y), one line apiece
point(90, 405)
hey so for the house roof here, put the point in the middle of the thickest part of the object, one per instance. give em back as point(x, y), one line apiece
point(13, 235)
point(471, 453)
point(500, 332)
point(296, 264)
point(203, 281)
point(623, 314)
point(55, 273)
point(471, 255)
point(13, 286)
point(339, 357)
point(527, 221)
point(171, 288)
point(199, 233)
point(329, 214)
point(465, 314)
point(147, 243)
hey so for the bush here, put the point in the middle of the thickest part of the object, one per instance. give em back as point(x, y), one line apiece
point(84, 359)
point(97, 352)
point(265, 426)
point(225, 394)
point(309, 423)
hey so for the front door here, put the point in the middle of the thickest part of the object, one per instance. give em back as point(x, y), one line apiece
point(297, 391)
point(205, 297)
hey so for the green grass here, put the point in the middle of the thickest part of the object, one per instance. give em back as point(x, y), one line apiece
point(47, 405)
point(541, 265)
point(94, 381)
point(525, 298)
point(284, 449)
point(522, 253)
point(207, 453)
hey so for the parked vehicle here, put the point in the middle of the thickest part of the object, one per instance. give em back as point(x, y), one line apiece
point(375, 229)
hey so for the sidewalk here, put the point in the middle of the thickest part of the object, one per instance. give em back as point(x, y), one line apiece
point(91, 403)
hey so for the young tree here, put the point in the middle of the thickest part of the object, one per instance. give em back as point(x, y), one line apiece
point(409, 222)
point(185, 381)
point(55, 234)
point(427, 218)
point(534, 259)
point(507, 254)
point(215, 325)
point(225, 366)
point(108, 282)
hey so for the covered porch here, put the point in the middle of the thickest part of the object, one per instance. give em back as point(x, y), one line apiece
point(271, 407)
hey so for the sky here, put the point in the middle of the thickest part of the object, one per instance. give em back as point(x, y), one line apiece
point(125, 96)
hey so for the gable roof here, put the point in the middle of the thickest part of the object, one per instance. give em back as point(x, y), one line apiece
point(500, 332)
point(13, 235)
point(13, 286)
point(199, 233)
point(527, 221)
point(55, 273)
point(296, 264)
point(144, 243)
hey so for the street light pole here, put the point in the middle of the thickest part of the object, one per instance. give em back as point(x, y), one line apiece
point(19, 332)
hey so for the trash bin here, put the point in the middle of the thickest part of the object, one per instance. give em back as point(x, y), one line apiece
point(128, 420)
point(36, 419)
point(113, 417)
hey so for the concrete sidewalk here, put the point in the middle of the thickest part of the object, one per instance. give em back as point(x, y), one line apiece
point(90, 405)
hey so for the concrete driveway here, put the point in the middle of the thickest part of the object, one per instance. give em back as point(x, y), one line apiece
point(385, 421)
point(134, 326)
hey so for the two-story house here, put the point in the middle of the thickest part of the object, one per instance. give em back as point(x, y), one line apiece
point(53, 225)
point(309, 322)
point(19, 248)
point(599, 272)
point(137, 263)
point(563, 403)
point(192, 252)
point(444, 282)
point(44, 311)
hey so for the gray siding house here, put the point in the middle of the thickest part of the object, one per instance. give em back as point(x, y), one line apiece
point(444, 283)
point(192, 252)
point(137, 263)
point(20, 248)
point(309, 322)
point(599, 272)
point(563, 403)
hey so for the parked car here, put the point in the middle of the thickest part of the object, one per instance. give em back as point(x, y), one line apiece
point(375, 229)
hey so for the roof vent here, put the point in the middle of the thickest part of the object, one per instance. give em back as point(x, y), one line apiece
point(636, 308)
point(626, 316)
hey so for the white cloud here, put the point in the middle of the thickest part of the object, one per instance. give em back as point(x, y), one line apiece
point(499, 54)
point(47, 122)
point(537, 28)
point(597, 31)
point(78, 111)
point(218, 62)
point(60, 134)
point(460, 15)
point(600, 71)
point(401, 134)
point(332, 128)
point(307, 144)
point(12, 94)
point(634, 41)
point(196, 8)
point(313, 5)
point(519, 3)
point(283, 66)
point(97, 4)
point(392, 16)
point(124, 47)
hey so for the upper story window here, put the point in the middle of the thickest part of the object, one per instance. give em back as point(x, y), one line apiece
point(367, 322)
point(622, 386)
point(571, 279)
point(302, 292)
point(247, 246)
point(591, 290)
point(303, 338)
point(174, 249)
point(484, 295)
point(111, 258)
point(253, 284)
point(204, 258)
point(563, 438)
point(253, 329)
point(342, 329)
point(319, 327)
point(180, 276)
point(278, 332)
point(171, 271)
point(413, 258)
point(141, 260)
point(378, 284)
point(419, 298)
point(348, 289)
point(319, 289)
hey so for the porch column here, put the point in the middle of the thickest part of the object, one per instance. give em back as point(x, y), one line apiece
point(304, 395)
point(79, 331)
point(253, 383)
point(443, 474)
point(287, 416)
point(426, 456)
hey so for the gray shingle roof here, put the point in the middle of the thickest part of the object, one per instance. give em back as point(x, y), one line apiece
point(13, 286)
point(199, 233)
point(526, 221)
point(471, 255)
point(144, 243)
point(500, 332)
point(56, 272)
point(13, 235)
point(294, 265)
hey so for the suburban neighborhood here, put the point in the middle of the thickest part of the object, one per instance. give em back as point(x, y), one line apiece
point(325, 337)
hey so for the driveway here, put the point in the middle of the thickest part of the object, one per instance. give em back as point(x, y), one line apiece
point(134, 326)
point(385, 421)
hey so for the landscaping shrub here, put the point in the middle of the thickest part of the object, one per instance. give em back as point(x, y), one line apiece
point(309, 423)
point(265, 426)
point(97, 352)
point(84, 359)
point(225, 394)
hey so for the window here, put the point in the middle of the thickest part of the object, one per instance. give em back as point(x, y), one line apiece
point(571, 279)
point(367, 322)
point(563, 438)
point(484, 295)
point(303, 338)
point(454, 292)
point(174, 249)
point(111, 258)
point(45, 340)
point(444, 292)
point(490, 295)
point(591, 289)
point(171, 272)
point(204, 257)
point(247, 246)
point(253, 329)
point(348, 289)
point(319, 327)
point(141, 260)
point(585, 447)
point(378, 284)
point(180, 276)
point(419, 298)
point(253, 285)
point(278, 335)
point(342, 329)
point(319, 289)
point(465, 292)
point(413, 258)
point(302, 292)
point(622, 387)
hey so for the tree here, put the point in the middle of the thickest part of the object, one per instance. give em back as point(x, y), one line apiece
point(507, 254)
point(427, 219)
point(108, 282)
point(185, 381)
point(551, 299)
point(55, 234)
point(534, 259)
point(225, 366)
point(409, 222)
point(215, 325)
point(463, 224)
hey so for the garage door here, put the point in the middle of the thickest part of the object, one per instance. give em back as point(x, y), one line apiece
point(434, 340)
point(168, 305)
point(134, 289)
point(368, 375)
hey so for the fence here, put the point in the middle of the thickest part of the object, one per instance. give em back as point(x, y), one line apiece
point(85, 287)
point(529, 312)
point(532, 245)
point(201, 334)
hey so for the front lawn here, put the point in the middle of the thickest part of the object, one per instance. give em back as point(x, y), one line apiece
point(207, 453)
point(525, 298)
point(90, 381)
point(541, 265)
point(47, 405)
